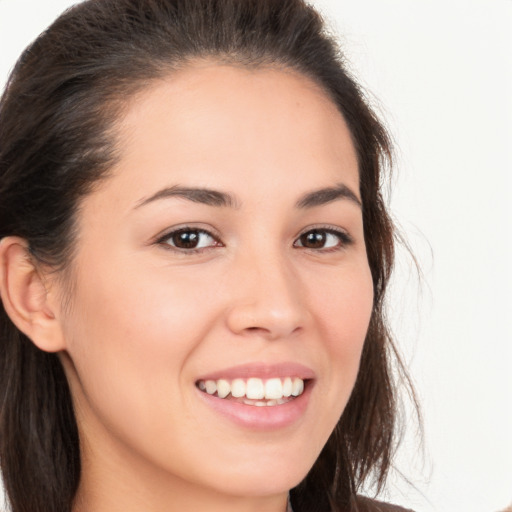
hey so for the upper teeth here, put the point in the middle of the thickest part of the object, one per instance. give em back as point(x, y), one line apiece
point(254, 388)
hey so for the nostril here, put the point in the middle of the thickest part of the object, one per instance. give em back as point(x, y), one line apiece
point(263, 318)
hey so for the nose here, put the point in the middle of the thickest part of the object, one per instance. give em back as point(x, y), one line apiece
point(267, 299)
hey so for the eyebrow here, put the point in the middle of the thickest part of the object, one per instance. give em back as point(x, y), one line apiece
point(197, 195)
point(327, 195)
point(216, 198)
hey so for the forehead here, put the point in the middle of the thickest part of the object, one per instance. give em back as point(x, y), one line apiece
point(218, 123)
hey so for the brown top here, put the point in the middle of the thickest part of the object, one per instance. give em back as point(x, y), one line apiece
point(369, 505)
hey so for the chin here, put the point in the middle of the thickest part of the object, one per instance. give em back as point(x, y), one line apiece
point(272, 474)
point(264, 483)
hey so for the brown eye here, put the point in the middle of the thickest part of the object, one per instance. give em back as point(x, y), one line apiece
point(190, 239)
point(323, 239)
point(313, 239)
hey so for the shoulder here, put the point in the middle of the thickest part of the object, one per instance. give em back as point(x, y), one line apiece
point(369, 505)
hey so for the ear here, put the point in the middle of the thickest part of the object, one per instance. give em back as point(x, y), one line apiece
point(27, 296)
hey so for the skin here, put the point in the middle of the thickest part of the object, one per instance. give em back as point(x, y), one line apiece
point(147, 320)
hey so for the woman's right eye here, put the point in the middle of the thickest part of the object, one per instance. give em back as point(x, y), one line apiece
point(189, 239)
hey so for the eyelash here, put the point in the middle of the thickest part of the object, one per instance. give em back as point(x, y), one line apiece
point(164, 240)
point(344, 239)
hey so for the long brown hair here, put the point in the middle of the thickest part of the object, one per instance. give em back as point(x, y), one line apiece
point(57, 139)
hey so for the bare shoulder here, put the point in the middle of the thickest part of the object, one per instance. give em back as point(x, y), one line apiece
point(369, 505)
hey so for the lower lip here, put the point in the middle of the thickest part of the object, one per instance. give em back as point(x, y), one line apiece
point(267, 417)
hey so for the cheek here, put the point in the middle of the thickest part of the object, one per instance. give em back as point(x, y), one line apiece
point(141, 312)
point(344, 311)
point(345, 308)
point(130, 339)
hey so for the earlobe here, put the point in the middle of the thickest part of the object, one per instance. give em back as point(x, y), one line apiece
point(25, 296)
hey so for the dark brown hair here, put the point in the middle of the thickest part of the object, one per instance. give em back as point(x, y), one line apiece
point(57, 139)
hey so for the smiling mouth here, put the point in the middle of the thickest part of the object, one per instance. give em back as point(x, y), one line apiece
point(255, 391)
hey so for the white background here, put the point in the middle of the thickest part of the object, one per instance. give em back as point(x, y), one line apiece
point(440, 73)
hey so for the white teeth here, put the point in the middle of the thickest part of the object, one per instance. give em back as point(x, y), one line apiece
point(255, 389)
point(298, 387)
point(268, 403)
point(223, 388)
point(287, 387)
point(238, 388)
point(274, 391)
point(210, 386)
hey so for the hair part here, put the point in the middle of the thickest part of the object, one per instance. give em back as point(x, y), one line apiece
point(58, 135)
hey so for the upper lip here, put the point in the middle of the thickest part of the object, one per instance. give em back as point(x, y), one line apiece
point(262, 371)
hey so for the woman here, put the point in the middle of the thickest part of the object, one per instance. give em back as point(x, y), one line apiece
point(194, 255)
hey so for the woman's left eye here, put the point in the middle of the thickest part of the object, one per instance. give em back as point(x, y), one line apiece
point(322, 239)
point(189, 239)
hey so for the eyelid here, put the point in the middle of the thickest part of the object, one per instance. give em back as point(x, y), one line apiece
point(345, 237)
point(161, 238)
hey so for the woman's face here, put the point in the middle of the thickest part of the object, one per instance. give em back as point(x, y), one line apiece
point(225, 252)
